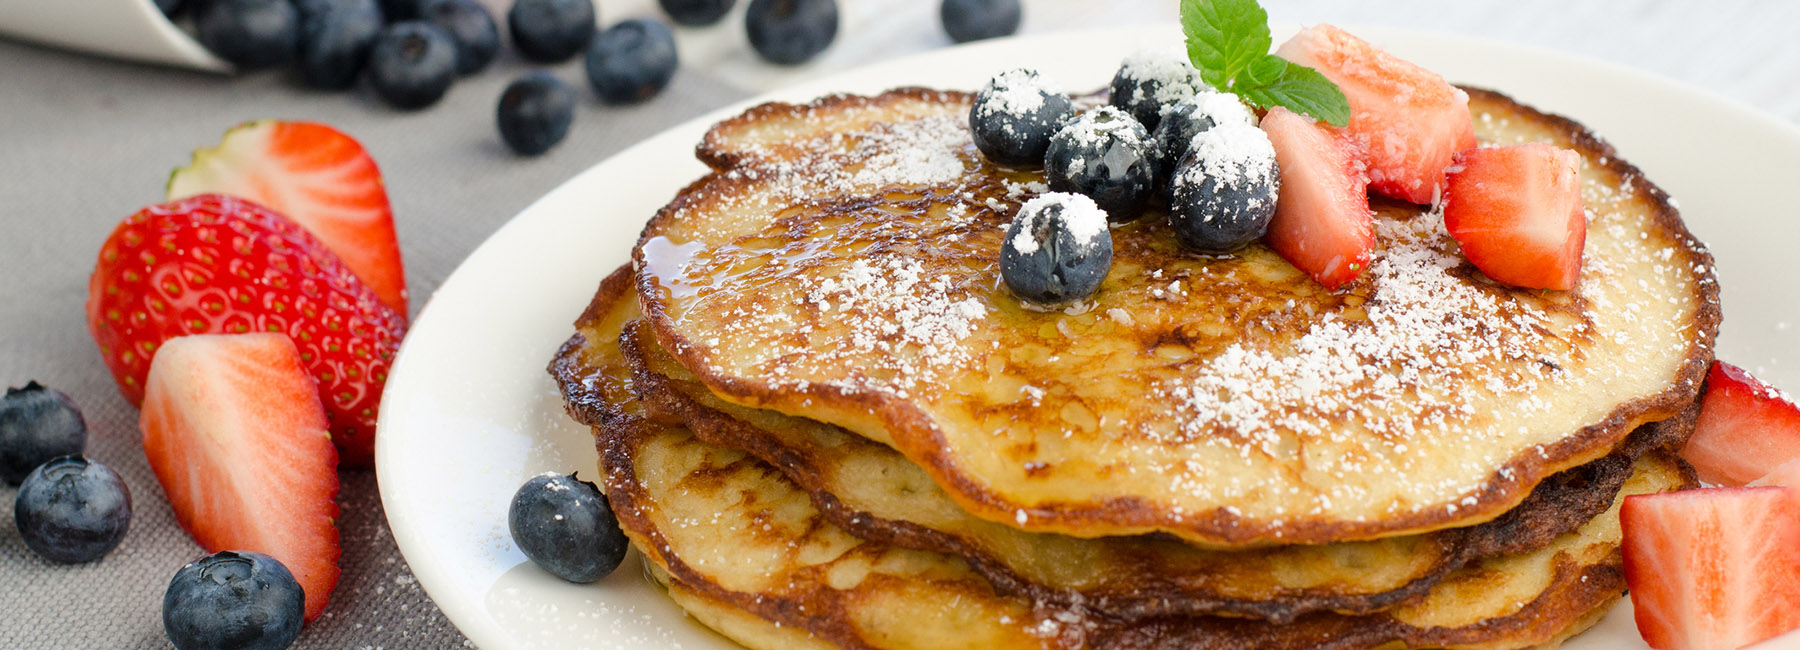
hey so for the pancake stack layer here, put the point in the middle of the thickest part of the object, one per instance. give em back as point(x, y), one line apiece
point(826, 423)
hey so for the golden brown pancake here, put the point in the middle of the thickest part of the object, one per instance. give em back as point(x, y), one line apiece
point(875, 493)
point(738, 543)
point(840, 264)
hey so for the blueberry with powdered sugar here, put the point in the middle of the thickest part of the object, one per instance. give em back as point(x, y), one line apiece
point(1057, 250)
point(1105, 155)
point(1223, 193)
point(1150, 79)
point(1015, 114)
point(1186, 119)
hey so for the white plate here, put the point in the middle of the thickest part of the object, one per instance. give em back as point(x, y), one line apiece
point(470, 412)
point(129, 29)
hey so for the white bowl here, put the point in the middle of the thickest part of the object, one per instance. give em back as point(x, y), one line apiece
point(127, 29)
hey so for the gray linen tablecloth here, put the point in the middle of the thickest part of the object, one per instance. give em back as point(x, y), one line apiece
point(85, 142)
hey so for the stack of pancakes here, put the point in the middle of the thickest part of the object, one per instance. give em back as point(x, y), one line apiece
point(826, 423)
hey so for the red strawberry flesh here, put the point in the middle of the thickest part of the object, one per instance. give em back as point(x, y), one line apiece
point(1322, 223)
point(234, 430)
point(320, 178)
point(1746, 428)
point(215, 264)
point(1713, 569)
point(1408, 120)
point(1786, 474)
point(1517, 212)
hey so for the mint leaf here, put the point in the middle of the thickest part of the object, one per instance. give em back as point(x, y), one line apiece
point(1224, 37)
point(1302, 90)
point(1228, 41)
point(1264, 71)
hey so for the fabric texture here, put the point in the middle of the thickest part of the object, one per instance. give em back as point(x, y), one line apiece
point(89, 142)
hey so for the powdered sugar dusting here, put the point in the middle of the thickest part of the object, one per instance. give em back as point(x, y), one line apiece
point(1018, 91)
point(922, 152)
point(1174, 78)
point(1413, 336)
point(1081, 217)
point(1222, 108)
point(1423, 327)
point(912, 321)
point(1101, 125)
point(1231, 154)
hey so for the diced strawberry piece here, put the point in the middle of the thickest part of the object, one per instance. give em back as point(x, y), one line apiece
point(1517, 212)
point(1408, 120)
point(1746, 428)
point(234, 430)
point(318, 177)
point(1786, 474)
point(215, 264)
point(1322, 223)
point(1714, 569)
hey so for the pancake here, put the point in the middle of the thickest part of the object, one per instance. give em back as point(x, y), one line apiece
point(591, 374)
point(744, 550)
point(875, 493)
point(840, 264)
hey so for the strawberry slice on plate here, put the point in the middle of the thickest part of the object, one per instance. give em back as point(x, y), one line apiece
point(1714, 569)
point(234, 430)
point(1408, 120)
point(1746, 428)
point(318, 177)
point(1322, 223)
point(1517, 212)
point(214, 264)
point(1786, 474)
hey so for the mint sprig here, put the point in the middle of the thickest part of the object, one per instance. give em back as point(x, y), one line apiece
point(1228, 41)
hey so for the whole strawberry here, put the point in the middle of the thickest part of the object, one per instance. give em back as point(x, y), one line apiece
point(216, 264)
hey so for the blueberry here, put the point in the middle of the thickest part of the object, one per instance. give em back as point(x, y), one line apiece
point(335, 38)
point(535, 112)
point(1151, 79)
point(251, 34)
point(1186, 119)
point(1105, 155)
point(696, 13)
point(412, 64)
point(70, 510)
point(791, 32)
point(470, 26)
point(233, 599)
point(1224, 192)
point(36, 425)
point(550, 31)
point(632, 61)
point(395, 10)
point(1057, 250)
point(1014, 116)
point(973, 20)
point(171, 8)
point(565, 526)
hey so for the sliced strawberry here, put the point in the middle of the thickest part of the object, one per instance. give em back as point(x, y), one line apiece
point(214, 264)
point(235, 433)
point(1786, 474)
point(1408, 120)
point(1517, 213)
point(1322, 223)
point(1746, 428)
point(1714, 569)
point(316, 176)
